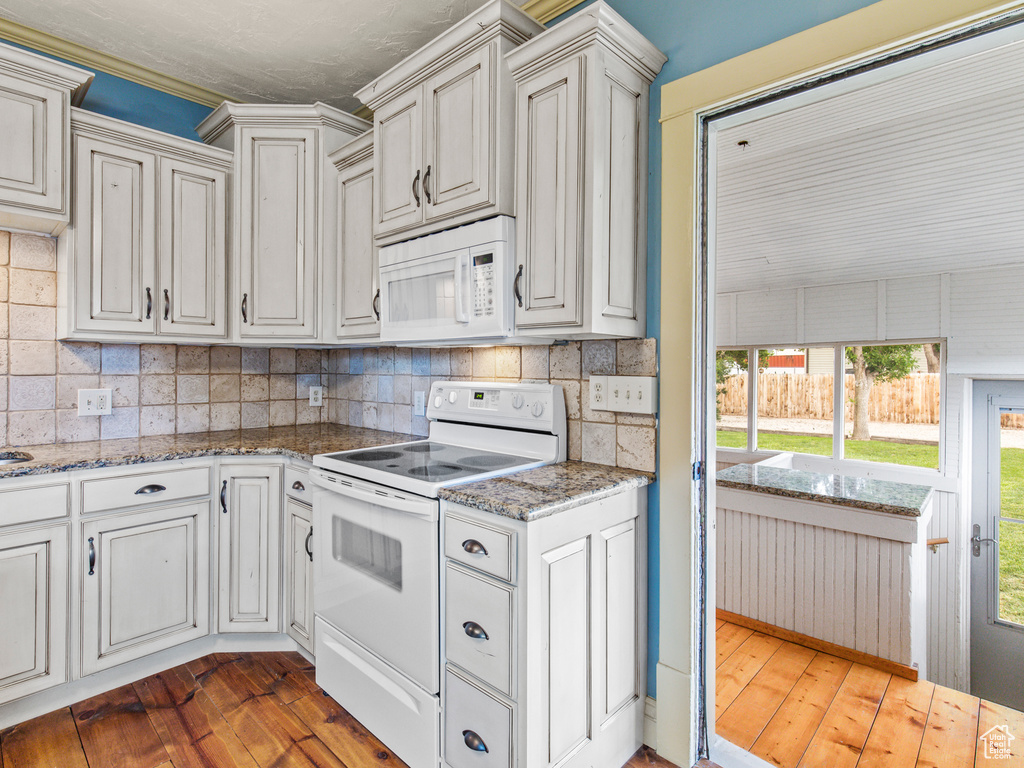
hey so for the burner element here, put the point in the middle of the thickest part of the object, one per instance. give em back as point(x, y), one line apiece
point(488, 460)
point(434, 470)
point(373, 456)
point(424, 448)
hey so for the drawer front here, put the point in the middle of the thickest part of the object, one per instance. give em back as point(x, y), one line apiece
point(488, 549)
point(475, 721)
point(479, 624)
point(112, 493)
point(27, 505)
point(297, 485)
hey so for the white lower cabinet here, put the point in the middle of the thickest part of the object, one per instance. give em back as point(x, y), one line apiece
point(249, 523)
point(34, 596)
point(145, 583)
point(298, 572)
point(545, 663)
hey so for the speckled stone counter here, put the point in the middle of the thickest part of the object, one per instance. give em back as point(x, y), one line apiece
point(544, 491)
point(299, 442)
point(844, 490)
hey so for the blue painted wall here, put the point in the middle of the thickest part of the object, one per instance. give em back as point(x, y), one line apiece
point(696, 34)
point(134, 103)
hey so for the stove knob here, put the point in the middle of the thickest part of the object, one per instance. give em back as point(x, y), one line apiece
point(452, 397)
point(538, 408)
point(437, 401)
point(517, 401)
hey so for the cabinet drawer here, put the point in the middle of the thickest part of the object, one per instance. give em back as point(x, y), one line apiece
point(27, 505)
point(486, 548)
point(475, 721)
point(479, 624)
point(147, 488)
point(297, 485)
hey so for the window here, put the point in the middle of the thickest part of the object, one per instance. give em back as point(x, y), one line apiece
point(870, 402)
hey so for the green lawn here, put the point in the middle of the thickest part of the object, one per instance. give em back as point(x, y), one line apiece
point(1011, 534)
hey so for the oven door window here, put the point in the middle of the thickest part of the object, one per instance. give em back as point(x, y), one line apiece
point(368, 551)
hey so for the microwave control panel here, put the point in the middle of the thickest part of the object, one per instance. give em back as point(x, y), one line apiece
point(483, 285)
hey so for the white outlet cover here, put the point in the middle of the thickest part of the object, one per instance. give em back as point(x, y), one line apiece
point(316, 396)
point(94, 402)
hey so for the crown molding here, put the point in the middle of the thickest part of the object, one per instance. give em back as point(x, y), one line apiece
point(80, 54)
point(546, 10)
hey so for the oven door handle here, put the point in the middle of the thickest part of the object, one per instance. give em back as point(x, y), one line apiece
point(427, 508)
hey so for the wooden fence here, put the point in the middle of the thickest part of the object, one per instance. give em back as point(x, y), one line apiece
point(911, 400)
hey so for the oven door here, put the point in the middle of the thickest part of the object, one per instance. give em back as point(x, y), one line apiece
point(376, 575)
point(448, 296)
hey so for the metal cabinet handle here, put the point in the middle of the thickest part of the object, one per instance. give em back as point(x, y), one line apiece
point(92, 556)
point(376, 304)
point(148, 489)
point(426, 185)
point(167, 305)
point(474, 547)
point(149, 303)
point(515, 286)
point(474, 742)
point(309, 549)
point(245, 307)
point(416, 188)
point(298, 486)
point(475, 631)
point(224, 497)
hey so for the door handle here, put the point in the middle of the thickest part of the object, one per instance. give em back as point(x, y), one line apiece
point(426, 185)
point(475, 631)
point(474, 547)
point(376, 304)
point(149, 303)
point(224, 497)
point(298, 486)
point(148, 489)
point(977, 541)
point(416, 188)
point(461, 311)
point(167, 305)
point(92, 556)
point(309, 549)
point(515, 286)
point(245, 307)
point(474, 742)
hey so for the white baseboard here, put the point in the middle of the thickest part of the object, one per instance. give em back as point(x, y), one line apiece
point(65, 695)
point(651, 723)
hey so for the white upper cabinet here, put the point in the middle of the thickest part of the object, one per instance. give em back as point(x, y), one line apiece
point(443, 127)
point(581, 188)
point(123, 279)
point(284, 212)
point(36, 95)
point(358, 285)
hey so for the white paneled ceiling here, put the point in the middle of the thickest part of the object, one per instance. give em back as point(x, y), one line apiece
point(253, 50)
point(922, 173)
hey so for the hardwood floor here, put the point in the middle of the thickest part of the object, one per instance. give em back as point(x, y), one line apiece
point(246, 710)
point(798, 708)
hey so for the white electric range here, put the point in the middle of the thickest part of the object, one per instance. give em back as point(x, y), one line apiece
point(377, 565)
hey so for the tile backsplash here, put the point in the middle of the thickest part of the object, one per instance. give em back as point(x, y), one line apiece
point(162, 389)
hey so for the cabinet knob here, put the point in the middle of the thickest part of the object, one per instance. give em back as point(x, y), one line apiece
point(298, 486)
point(474, 742)
point(475, 631)
point(474, 547)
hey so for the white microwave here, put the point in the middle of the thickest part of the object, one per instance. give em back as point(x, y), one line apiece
point(450, 286)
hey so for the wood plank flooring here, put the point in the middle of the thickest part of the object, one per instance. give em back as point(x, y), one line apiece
point(799, 708)
point(245, 710)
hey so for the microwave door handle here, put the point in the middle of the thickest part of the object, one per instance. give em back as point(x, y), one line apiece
point(462, 277)
point(424, 509)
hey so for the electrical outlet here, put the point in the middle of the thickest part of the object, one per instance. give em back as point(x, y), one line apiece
point(624, 394)
point(94, 402)
point(419, 403)
point(316, 396)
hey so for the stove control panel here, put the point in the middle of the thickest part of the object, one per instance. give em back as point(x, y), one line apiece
point(537, 407)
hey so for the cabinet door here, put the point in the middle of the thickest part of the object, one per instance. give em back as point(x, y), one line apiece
point(549, 197)
point(145, 583)
point(249, 522)
point(34, 596)
point(398, 163)
point(277, 228)
point(298, 574)
point(192, 301)
point(459, 139)
point(115, 238)
point(32, 153)
point(358, 281)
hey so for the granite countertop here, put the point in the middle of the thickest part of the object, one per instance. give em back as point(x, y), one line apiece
point(537, 493)
point(844, 490)
point(299, 442)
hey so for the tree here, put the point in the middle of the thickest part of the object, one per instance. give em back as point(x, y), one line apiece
point(871, 364)
point(931, 356)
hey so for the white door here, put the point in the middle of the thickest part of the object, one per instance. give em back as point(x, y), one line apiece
point(358, 283)
point(249, 521)
point(298, 572)
point(997, 546)
point(32, 152)
point(145, 583)
point(192, 250)
point(398, 158)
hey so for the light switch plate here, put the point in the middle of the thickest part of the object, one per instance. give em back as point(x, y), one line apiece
point(419, 403)
point(624, 394)
point(94, 402)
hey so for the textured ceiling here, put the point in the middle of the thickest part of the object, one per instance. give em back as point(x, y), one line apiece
point(252, 50)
